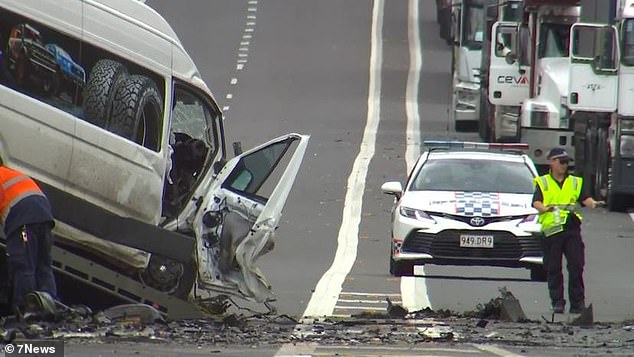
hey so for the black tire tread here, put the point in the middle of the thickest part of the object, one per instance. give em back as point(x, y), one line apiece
point(132, 95)
point(100, 88)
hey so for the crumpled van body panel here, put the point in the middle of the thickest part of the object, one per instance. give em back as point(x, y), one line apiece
point(102, 105)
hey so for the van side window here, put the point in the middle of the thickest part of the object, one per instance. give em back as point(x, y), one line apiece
point(193, 143)
point(81, 79)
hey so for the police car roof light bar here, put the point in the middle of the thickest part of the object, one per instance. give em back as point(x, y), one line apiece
point(470, 145)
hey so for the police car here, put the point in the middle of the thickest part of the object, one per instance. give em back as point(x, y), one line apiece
point(466, 203)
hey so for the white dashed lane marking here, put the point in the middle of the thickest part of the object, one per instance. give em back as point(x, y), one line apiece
point(244, 45)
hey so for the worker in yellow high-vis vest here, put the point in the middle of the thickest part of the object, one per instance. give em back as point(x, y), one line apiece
point(555, 197)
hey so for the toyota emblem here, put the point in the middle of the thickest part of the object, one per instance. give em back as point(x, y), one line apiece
point(477, 221)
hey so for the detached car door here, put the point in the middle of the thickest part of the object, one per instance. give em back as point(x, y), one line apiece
point(240, 213)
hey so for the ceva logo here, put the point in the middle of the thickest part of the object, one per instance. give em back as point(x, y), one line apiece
point(518, 81)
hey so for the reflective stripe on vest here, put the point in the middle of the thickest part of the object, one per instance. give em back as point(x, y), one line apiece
point(564, 198)
point(15, 187)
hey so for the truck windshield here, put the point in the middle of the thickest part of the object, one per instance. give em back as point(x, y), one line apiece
point(628, 43)
point(512, 11)
point(473, 25)
point(554, 40)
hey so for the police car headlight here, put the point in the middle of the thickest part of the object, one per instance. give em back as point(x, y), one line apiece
point(415, 214)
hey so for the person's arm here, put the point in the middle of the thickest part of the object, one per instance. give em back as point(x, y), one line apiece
point(538, 201)
point(590, 202)
point(586, 200)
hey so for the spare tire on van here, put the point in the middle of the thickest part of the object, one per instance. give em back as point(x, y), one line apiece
point(137, 111)
point(100, 88)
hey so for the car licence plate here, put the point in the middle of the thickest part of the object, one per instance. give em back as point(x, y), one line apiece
point(476, 241)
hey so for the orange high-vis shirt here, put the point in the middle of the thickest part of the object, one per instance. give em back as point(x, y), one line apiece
point(14, 186)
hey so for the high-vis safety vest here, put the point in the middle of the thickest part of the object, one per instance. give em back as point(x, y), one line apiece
point(562, 198)
point(15, 186)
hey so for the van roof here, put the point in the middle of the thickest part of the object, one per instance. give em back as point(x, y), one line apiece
point(141, 12)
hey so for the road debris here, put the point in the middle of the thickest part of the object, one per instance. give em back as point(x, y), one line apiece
point(395, 311)
point(244, 327)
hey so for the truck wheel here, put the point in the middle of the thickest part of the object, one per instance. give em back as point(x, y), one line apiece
point(169, 276)
point(484, 127)
point(616, 202)
point(52, 85)
point(21, 73)
point(137, 111)
point(102, 84)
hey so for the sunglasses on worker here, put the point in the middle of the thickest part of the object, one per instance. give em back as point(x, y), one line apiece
point(564, 160)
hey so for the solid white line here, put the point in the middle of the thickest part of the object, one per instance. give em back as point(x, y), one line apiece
point(369, 308)
point(413, 290)
point(324, 299)
point(412, 150)
point(362, 301)
point(369, 294)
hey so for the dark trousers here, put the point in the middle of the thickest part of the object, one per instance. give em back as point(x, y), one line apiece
point(570, 244)
point(30, 262)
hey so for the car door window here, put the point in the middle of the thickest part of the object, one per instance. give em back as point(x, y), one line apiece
point(193, 143)
point(251, 174)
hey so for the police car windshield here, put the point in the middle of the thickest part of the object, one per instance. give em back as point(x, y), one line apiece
point(473, 175)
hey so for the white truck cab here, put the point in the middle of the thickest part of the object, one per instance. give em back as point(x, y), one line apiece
point(102, 105)
point(468, 17)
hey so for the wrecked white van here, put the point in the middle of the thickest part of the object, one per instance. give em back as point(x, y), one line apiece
point(102, 105)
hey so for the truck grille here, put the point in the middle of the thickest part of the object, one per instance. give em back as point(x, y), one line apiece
point(42, 56)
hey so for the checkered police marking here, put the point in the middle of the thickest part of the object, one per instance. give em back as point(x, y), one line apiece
point(396, 246)
point(477, 203)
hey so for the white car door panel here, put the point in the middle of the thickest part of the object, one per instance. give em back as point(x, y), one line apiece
point(241, 211)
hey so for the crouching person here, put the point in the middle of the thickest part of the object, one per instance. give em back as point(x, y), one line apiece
point(27, 217)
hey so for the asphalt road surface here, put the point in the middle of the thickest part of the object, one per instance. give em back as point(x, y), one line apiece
point(368, 80)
